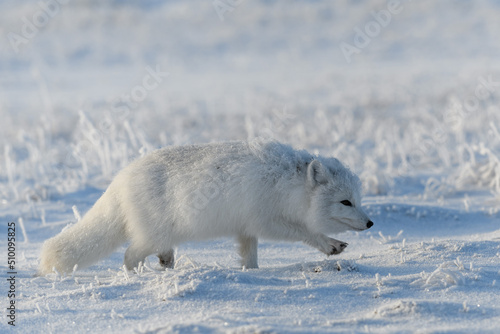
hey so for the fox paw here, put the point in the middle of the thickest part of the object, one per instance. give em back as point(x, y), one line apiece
point(337, 247)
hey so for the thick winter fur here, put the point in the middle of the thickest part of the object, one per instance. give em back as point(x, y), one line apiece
point(248, 190)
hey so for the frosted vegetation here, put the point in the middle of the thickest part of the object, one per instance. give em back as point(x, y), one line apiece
point(414, 110)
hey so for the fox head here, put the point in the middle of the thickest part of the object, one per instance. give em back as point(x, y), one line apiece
point(335, 194)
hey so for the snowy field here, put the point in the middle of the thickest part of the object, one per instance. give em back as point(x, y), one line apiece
point(406, 93)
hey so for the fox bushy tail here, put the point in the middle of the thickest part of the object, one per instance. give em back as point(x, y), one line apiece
point(100, 232)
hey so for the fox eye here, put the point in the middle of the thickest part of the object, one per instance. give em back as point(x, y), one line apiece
point(346, 203)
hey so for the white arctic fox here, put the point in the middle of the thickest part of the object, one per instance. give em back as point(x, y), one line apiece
point(249, 190)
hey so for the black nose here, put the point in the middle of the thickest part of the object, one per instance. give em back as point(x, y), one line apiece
point(369, 224)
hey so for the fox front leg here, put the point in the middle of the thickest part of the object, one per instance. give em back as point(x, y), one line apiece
point(248, 251)
point(337, 246)
point(326, 245)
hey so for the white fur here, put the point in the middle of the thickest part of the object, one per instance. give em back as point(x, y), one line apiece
point(247, 190)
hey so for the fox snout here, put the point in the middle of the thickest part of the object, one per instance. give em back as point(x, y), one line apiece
point(369, 224)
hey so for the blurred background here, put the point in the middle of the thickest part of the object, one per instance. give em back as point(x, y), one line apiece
point(405, 92)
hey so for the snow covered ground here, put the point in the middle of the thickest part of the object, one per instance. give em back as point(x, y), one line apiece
point(405, 92)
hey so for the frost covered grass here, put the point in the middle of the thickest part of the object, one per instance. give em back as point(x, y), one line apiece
point(415, 113)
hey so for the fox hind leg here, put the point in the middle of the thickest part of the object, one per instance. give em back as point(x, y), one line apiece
point(134, 255)
point(248, 251)
point(167, 259)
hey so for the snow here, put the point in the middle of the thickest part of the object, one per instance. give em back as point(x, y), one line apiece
point(415, 112)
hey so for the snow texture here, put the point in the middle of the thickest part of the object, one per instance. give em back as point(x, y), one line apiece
point(406, 93)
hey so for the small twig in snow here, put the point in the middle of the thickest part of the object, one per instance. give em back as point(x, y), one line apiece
point(78, 217)
point(25, 235)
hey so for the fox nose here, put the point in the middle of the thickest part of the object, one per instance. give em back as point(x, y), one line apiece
point(369, 224)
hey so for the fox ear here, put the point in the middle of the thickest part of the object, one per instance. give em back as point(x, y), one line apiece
point(316, 173)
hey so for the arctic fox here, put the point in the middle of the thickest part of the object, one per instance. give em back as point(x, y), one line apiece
point(248, 190)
